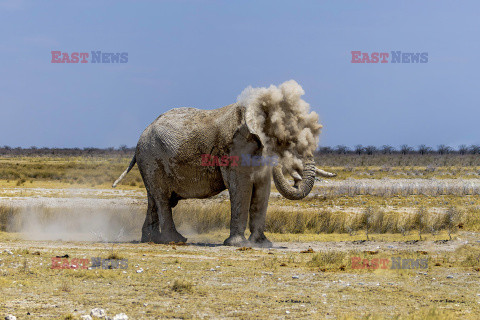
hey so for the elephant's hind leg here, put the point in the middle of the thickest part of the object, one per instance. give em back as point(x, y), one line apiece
point(168, 231)
point(151, 226)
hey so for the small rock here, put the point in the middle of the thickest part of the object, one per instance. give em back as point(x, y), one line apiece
point(97, 312)
point(295, 277)
point(449, 277)
point(10, 317)
point(120, 316)
point(212, 269)
point(86, 317)
point(287, 312)
point(140, 270)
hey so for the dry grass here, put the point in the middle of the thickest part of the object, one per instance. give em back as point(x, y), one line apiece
point(220, 282)
point(205, 217)
point(205, 281)
point(182, 286)
point(86, 171)
point(97, 171)
point(328, 260)
point(390, 162)
point(216, 216)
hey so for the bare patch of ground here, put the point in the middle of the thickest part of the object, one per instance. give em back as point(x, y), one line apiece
point(225, 282)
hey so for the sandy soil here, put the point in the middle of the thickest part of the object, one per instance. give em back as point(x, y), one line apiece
point(224, 282)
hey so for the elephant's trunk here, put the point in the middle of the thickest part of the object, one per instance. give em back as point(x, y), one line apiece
point(301, 188)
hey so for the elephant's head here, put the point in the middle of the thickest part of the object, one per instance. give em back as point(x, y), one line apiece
point(246, 141)
point(285, 127)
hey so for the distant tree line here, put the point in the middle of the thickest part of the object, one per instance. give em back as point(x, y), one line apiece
point(403, 149)
point(340, 149)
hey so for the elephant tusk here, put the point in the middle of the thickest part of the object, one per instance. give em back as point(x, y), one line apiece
point(296, 176)
point(325, 174)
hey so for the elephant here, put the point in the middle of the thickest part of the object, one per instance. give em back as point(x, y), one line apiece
point(169, 157)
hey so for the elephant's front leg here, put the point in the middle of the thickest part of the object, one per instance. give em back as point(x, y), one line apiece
point(240, 190)
point(258, 212)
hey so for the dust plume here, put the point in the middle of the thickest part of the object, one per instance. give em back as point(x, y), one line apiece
point(77, 224)
point(283, 122)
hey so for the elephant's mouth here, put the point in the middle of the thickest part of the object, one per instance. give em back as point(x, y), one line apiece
point(302, 187)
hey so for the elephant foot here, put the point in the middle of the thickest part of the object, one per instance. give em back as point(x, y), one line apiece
point(236, 241)
point(260, 240)
point(168, 237)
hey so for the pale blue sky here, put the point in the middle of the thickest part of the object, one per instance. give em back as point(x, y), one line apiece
point(204, 53)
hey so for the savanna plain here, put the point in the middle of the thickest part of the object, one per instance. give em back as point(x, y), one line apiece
point(384, 206)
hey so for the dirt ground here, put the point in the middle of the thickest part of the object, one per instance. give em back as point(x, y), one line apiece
point(302, 276)
point(224, 282)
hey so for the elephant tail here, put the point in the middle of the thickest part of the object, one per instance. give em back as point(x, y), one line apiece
point(130, 166)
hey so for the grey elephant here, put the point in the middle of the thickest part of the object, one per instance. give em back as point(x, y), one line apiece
point(171, 154)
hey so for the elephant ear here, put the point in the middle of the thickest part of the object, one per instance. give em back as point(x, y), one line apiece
point(246, 141)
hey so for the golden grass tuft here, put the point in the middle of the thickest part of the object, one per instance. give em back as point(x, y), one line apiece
point(182, 286)
point(328, 260)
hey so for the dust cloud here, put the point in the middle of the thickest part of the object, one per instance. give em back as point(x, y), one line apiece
point(77, 224)
point(283, 122)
